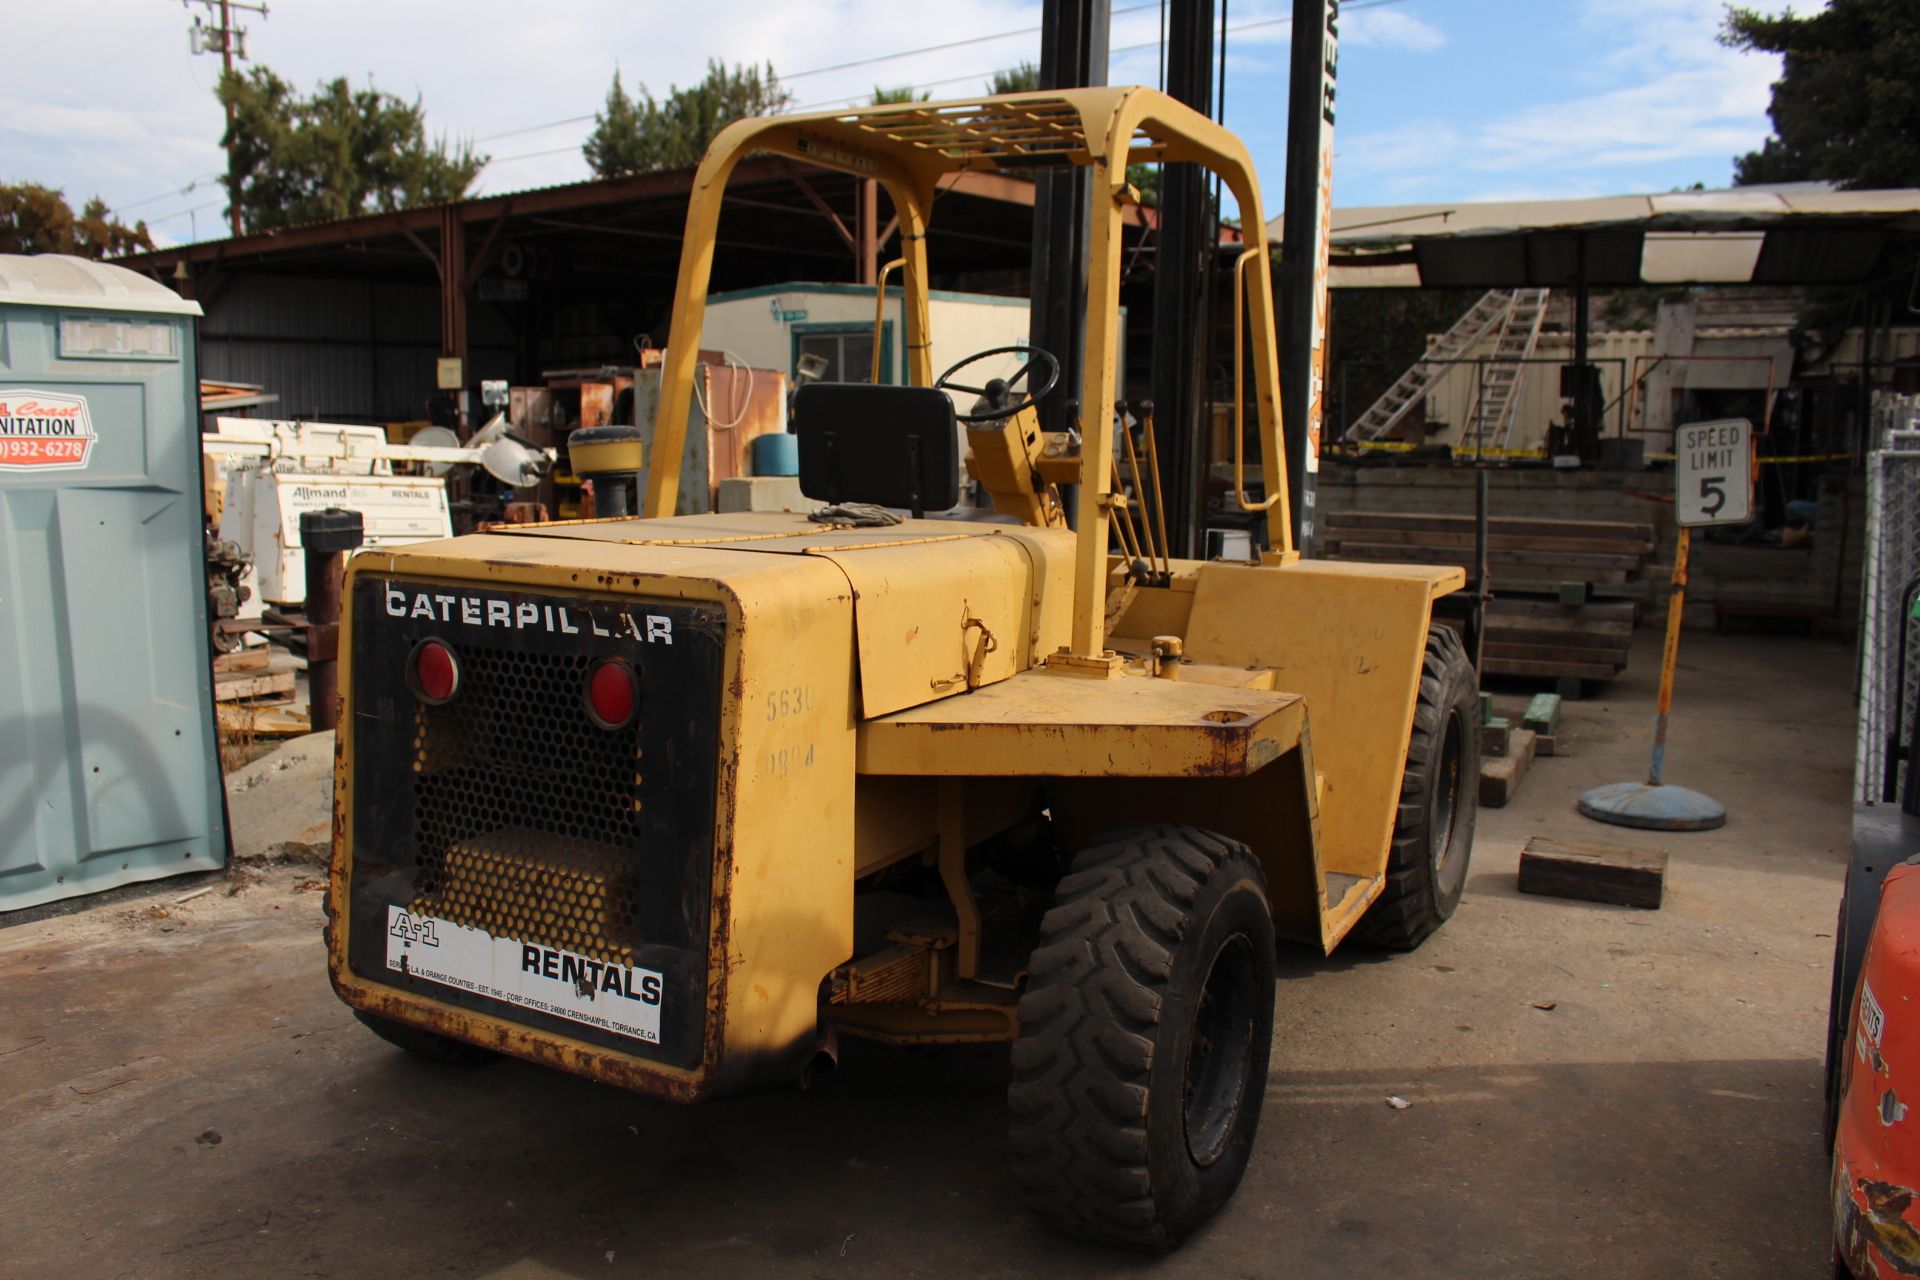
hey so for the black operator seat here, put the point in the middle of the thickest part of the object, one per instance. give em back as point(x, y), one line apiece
point(891, 446)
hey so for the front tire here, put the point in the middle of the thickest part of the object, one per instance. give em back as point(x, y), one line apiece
point(1141, 1065)
point(1439, 804)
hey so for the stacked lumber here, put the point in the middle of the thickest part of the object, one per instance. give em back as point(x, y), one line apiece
point(248, 676)
point(1546, 619)
point(1528, 636)
point(253, 691)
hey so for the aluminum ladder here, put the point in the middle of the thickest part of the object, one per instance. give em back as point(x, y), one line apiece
point(1424, 374)
point(1502, 378)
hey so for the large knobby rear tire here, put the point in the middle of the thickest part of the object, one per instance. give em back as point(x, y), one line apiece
point(1439, 804)
point(430, 1045)
point(1141, 1065)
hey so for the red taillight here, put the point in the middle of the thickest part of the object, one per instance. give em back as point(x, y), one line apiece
point(613, 694)
point(435, 672)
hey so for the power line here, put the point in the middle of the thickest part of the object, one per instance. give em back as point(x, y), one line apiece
point(181, 213)
point(179, 191)
point(535, 128)
point(929, 84)
point(59, 30)
point(1125, 48)
point(951, 44)
point(838, 66)
point(74, 76)
point(530, 155)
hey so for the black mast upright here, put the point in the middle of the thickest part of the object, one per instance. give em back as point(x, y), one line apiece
point(1303, 265)
point(1183, 260)
point(1073, 54)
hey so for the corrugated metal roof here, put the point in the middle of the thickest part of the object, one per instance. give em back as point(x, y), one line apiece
point(59, 280)
point(1800, 233)
point(1735, 208)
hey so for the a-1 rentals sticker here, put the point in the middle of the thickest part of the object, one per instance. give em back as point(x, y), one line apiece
point(617, 997)
point(44, 431)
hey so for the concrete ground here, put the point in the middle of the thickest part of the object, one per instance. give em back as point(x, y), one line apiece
point(1594, 1091)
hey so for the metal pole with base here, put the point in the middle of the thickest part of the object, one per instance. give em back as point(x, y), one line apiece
point(1713, 484)
point(1654, 804)
point(327, 537)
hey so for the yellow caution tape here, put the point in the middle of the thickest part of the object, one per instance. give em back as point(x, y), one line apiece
point(1800, 457)
point(1401, 446)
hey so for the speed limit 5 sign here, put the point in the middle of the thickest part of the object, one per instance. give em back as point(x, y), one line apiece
point(1713, 472)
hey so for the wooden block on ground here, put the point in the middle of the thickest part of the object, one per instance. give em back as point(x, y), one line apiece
point(1486, 707)
point(1592, 872)
point(1569, 688)
point(1500, 776)
point(1495, 736)
point(1543, 714)
point(1543, 745)
point(236, 686)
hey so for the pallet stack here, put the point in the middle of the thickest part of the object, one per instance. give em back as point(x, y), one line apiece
point(1565, 591)
point(254, 694)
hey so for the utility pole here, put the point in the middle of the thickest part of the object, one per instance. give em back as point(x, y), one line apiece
point(227, 40)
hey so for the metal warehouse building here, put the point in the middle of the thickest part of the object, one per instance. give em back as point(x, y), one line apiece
point(347, 320)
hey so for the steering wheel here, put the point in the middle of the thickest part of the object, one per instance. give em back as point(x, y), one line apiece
point(997, 392)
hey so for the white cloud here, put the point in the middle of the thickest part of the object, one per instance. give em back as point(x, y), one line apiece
point(1713, 109)
point(106, 97)
point(1410, 146)
point(1390, 29)
point(109, 99)
point(1564, 189)
point(1655, 88)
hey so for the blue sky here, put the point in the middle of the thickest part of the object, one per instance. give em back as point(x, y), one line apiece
point(1440, 100)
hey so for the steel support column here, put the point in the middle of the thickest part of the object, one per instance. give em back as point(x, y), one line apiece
point(866, 232)
point(453, 298)
point(1183, 261)
point(1582, 405)
point(1584, 428)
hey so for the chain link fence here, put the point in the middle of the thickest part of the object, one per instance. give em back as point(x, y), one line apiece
point(1889, 685)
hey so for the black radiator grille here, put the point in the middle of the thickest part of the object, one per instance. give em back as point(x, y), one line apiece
point(515, 760)
point(508, 809)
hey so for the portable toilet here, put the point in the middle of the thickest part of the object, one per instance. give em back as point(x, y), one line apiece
point(109, 754)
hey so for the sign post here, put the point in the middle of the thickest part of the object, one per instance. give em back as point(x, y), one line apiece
point(1713, 485)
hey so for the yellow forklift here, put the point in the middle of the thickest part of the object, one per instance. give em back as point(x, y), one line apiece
point(677, 802)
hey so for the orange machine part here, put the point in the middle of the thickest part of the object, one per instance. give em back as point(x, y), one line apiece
point(1876, 1151)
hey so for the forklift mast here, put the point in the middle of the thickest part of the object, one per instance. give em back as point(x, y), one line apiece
point(1073, 54)
point(910, 149)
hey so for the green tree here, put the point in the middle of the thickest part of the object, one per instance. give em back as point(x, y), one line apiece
point(340, 152)
point(904, 93)
point(1024, 78)
point(37, 219)
point(1846, 108)
point(1145, 177)
point(617, 143)
point(642, 133)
